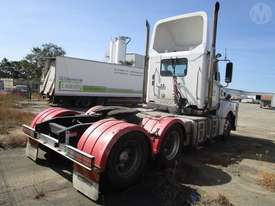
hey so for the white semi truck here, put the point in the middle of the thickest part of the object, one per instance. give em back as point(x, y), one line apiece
point(83, 83)
point(184, 105)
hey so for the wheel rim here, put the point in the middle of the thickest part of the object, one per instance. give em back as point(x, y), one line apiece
point(128, 159)
point(171, 145)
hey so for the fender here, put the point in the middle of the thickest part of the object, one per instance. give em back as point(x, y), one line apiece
point(228, 107)
point(100, 137)
point(51, 113)
point(157, 127)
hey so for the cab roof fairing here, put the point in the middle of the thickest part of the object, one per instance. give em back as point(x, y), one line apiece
point(201, 44)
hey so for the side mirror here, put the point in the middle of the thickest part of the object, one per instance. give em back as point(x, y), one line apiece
point(228, 72)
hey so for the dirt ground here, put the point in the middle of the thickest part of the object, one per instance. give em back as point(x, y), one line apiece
point(238, 171)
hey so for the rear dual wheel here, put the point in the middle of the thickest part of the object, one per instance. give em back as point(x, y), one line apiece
point(84, 102)
point(172, 146)
point(127, 160)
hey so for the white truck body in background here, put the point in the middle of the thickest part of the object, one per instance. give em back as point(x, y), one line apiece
point(273, 101)
point(136, 59)
point(72, 77)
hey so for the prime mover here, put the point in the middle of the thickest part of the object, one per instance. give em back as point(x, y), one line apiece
point(184, 104)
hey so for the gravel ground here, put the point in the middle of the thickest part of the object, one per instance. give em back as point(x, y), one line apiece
point(219, 173)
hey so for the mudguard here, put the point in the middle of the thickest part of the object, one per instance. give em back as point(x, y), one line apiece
point(157, 128)
point(100, 137)
point(47, 114)
point(51, 113)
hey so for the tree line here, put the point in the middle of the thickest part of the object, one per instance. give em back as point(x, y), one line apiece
point(30, 67)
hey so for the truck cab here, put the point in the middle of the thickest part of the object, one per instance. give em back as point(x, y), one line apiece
point(183, 63)
point(178, 50)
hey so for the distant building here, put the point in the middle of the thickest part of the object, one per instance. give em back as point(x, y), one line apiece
point(33, 85)
point(265, 101)
point(263, 98)
point(7, 84)
point(248, 100)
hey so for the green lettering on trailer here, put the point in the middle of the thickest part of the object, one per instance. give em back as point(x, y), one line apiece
point(103, 89)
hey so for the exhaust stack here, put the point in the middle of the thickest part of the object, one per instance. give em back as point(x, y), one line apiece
point(146, 62)
point(212, 56)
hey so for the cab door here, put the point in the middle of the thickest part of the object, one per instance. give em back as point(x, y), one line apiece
point(170, 70)
point(216, 86)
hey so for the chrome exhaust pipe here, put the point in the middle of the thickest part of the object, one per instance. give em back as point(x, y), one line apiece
point(146, 62)
point(212, 56)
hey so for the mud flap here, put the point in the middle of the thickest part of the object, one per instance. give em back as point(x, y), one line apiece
point(86, 186)
point(32, 149)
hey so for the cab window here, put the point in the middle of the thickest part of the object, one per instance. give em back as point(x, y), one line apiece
point(173, 67)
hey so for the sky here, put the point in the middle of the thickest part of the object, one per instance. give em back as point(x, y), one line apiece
point(84, 28)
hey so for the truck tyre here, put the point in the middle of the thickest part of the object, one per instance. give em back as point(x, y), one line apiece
point(85, 102)
point(127, 160)
point(228, 124)
point(172, 146)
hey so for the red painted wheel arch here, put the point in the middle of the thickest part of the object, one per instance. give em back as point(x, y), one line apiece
point(38, 116)
point(51, 113)
point(158, 127)
point(97, 127)
point(99, 139)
